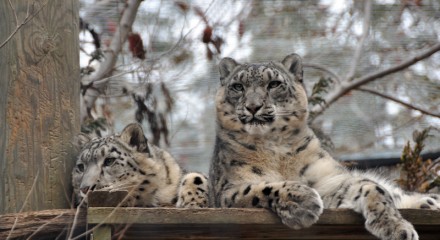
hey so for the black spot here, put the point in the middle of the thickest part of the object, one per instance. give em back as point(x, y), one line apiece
point(184, 182)
point(255, 201)
point(357, 197)
point(249, 146)
point(198, 181)
point(146, 182)
point(141, 189)
point(269, 202)
point(430, 202)
point(267, 190)
point(283, 128)
point(366, 193)
point(129, 164)
point(224, 184)
point(276, 193)
point(303, 170)
point(304, 145)
point(339, 203)
point(138, 197)
point(142, 172)
point(273, 129)
point(237, 163)
point(380, 190)
point(257, 171)
point(246, 191)
point(115, 150)
point(174, 200)
point(286, 119)
point(193, 199)
point(201, 190)
point(296, 131)
point(403, 236)
point(234, 196)
point(424, 206)
point(189, 193)
point(102, 152)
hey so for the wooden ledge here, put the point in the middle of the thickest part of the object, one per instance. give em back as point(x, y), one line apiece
point(131, 215)
point(239, 223)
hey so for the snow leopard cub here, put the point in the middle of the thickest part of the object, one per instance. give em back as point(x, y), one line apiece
point(266, 156)
point(127, 161)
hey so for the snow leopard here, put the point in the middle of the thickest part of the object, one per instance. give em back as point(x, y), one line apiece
point(127, 161)
point(266, 156)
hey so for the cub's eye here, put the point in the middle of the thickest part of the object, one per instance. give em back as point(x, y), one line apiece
point(237, 87)
point(109, 161)
point(80, 167)
point(273, 84)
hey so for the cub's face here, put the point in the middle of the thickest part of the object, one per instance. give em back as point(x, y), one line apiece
point(109, 162)
point(261, 99)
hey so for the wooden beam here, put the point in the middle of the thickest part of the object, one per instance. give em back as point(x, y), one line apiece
point(110, 215)
point(39, 103)
point(41, 224)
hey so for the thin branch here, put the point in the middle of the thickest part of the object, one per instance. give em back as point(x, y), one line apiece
point(358, 51)
point(340, 91)
point(408, 105)
point(323, 68)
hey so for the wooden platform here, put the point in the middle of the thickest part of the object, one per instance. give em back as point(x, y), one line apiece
point(172, 223)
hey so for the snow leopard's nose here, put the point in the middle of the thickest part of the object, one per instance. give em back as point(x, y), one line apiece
point(253, 108)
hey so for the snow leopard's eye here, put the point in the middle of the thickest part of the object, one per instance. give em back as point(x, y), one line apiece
point(80, 167)
point(109, 161)
point(237, 87)
point(273, 84)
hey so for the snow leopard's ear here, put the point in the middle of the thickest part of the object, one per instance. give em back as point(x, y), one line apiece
point(133, 135)
point(80, 140)
point(293, 63)
point(226, 66)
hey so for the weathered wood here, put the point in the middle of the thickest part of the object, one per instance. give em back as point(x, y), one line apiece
point(40, 224)
point(39, 103)
point(106, 199)
point(236, 216)
point(172, 223)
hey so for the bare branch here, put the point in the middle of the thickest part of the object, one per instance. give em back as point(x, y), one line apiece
point(110, 55)
point(408, 105)
point(358, 51)
point(345, 87)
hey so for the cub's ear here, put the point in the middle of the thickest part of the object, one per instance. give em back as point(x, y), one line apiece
point(226, 66)
point(134, 136)
point(80, 140)
point(293, 63)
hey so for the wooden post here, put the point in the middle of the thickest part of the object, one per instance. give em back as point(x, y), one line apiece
point(39, 102)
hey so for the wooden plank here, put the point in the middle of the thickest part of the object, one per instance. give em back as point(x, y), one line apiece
point(41, 223)
point(39, 103)
point(236, 216)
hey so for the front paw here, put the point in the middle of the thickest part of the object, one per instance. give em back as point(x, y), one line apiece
point(393, 229)
point(298, 206)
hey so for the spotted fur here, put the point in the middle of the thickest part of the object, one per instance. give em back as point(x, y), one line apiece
point(266, 156)
point(129, 162)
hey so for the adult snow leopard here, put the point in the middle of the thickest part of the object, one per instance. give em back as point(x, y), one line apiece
point(266, 156)
point(127, 161)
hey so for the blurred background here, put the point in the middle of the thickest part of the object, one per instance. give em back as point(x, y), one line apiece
point(166, 74)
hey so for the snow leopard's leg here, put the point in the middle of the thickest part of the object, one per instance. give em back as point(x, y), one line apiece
point(297, 205)
point(418, 200)
point(377, 206)
point(193, 191)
